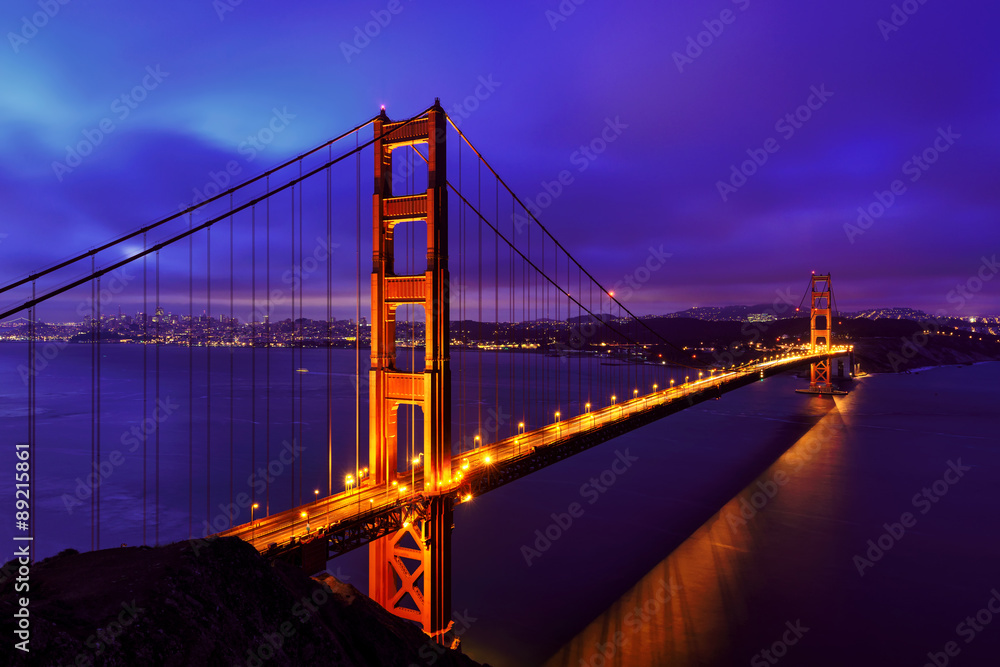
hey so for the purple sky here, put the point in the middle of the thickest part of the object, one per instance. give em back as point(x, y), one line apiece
point(686, 114)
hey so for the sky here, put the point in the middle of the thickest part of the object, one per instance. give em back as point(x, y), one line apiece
point(748, 143)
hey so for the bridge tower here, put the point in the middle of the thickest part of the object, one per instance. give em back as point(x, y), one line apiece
point(821, 321)
point(410, 571)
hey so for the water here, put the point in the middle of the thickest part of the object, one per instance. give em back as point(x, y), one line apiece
point(775, 568)
point(641, 536)
point(217, 424)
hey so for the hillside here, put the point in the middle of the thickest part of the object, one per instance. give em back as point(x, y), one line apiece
point(220, 604)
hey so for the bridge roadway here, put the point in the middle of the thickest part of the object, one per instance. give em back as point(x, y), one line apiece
point(358, 515)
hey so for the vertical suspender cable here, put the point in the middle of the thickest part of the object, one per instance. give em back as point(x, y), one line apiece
point(302, 289)
point(145, 379)
point(267, 346)
point(93, 408)
point(357, 317)
point(97, 436)
point(461, 312)
point(329, 327)
point(232, 350)
point(190, 342)
point(209, 331)
point(253, 354)
point(291, 343)
point(496, 318)
point(479, 343)
point(156, 373)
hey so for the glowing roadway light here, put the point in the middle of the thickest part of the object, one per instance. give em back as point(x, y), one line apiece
point(465, 463)
point(476, 444)
point(520, 428)
point(413, 470)
point(557, 416)
point(253, 527)
point(613, 398)
point(467, 497)
point(635, 392)
point(655, 386)
point(586, 407)
point(488, 459)
point(686, 378)
point(671, 382)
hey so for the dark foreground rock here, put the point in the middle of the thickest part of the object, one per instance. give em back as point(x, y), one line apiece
point(203, 603)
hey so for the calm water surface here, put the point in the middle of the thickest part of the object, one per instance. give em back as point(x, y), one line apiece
point(698, 540)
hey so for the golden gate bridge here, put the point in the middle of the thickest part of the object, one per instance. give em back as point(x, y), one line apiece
point(437, 436)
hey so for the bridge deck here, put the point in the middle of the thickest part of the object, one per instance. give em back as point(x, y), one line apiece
point(355, 516)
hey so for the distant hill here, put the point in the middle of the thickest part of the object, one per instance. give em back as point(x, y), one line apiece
point(763, 312)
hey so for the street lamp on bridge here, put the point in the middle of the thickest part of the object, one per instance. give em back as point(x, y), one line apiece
point(413, 471)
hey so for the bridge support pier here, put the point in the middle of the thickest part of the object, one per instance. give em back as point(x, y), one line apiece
point(410, 571)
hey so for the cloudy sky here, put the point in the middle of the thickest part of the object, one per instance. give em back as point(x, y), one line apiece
point(754, 142)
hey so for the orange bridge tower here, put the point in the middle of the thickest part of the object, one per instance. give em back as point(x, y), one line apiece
point(410, 570)
point(821, 321)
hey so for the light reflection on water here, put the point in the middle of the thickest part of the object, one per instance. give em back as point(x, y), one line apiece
point(682, 611)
